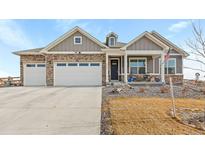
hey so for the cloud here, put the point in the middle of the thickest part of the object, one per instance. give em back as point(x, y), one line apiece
point(11, 34)
point(179, 26)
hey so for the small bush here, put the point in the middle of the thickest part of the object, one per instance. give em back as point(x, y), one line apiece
point(141, 90)
point(202, 90)
point(185, 90)
point(164, 89)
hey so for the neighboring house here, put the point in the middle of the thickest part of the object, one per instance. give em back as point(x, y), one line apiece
point(79, 59)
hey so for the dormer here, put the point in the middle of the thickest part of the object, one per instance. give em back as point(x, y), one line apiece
point(111, 39)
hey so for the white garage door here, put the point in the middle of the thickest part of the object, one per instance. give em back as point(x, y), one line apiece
point(34, 74)
point(77, 74)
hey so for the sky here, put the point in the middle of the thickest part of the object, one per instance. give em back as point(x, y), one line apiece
point(26, 34)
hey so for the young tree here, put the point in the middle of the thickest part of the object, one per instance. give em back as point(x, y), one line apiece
point(197, 47)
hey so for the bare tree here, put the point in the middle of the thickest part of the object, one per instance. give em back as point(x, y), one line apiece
point(197, 46)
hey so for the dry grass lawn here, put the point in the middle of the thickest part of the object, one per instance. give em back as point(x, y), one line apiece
point(149, 116)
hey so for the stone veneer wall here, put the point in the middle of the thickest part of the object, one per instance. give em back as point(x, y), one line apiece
point(51, 58)
point(24, 59)
point(176, 79)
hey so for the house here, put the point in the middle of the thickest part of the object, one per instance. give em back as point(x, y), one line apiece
point(79, 59)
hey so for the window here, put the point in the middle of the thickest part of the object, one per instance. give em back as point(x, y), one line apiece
point(83, 64)
point(112, 41)
point(77, 39)
point(61, 64)
point(137, 66)
point(170, 66)
point(41, 65)
point(72, 64)
point(30, 65)
point(94, 64)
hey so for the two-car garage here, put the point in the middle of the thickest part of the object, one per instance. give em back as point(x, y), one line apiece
point(64, 74)
point(77, 74)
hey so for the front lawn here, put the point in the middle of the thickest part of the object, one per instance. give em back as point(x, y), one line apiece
point(147, 116)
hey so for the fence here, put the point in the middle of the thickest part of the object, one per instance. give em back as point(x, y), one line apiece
point(10, 81)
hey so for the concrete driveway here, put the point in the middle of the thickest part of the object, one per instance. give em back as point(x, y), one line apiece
point(50, 110)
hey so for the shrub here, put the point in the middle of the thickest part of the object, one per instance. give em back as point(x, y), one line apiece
point(164, 89)
point(185, 90)
point(141, 90)
point(203, 90)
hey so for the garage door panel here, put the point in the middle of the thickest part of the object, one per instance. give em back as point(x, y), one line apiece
point(77, 75)
point(35, 76)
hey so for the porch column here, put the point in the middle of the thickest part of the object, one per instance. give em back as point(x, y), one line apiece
point(162, 68)
point(107, 77)
point(125, 68)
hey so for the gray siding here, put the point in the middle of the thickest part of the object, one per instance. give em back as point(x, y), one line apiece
point(179, 64)
point(149, 65)
point(156, 65)
point(68, 44)
point(165, 42)
point(144, 44)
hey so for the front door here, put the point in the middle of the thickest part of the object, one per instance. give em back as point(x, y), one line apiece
point(114, 69)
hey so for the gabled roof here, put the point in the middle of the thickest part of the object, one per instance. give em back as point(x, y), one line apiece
point(118, 45)
point(112, 33)
point(153, 36)
point(149, 36)
point(68, 34)
point(169, 43)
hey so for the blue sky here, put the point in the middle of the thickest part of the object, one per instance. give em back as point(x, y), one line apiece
point(25, 34)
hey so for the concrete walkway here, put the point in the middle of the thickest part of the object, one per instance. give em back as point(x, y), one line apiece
point(52, 110)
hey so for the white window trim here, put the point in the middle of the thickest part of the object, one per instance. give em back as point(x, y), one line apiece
point(84, 64)
point(35, 63)
point(72, 63)
point(137, 58)
point(67, 63)
point(44, 65)
point(80, 39)
point(94, 63)
point(110, 41)
point(61, 64)
point(31, 64)
point(175, 72)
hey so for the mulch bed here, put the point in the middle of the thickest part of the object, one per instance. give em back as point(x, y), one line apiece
point(185, 91)
point(106, 124)
point(191, 117)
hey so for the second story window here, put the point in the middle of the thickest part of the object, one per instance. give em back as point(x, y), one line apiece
point(77, 39)
point(112, 41)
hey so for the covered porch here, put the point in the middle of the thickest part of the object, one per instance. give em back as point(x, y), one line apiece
point(135, 67)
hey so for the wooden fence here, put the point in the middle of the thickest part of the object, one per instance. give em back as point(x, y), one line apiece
point(10, 81)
